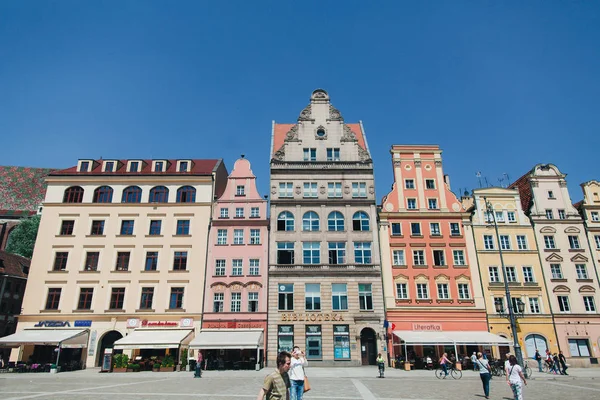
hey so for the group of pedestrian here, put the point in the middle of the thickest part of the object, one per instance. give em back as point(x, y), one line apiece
point(288, 380)
point(514, 374)
point(557, 363)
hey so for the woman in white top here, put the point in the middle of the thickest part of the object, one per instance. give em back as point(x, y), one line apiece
point(296, 373)
point(484, 373)
point(515, 378)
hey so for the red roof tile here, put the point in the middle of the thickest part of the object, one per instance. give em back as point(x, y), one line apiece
point(22, 190)
point(13, 264)
point(199, 167)
point(280, 130)
point(524, 187)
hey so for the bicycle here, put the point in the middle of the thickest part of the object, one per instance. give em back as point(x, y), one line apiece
point(454, 373)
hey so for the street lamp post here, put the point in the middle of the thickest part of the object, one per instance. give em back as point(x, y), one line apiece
point(499, 306)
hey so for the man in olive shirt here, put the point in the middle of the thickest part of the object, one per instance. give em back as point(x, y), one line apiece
point(277, 384)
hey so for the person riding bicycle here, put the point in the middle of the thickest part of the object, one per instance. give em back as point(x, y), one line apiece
point(444, 362)
point(381, 364)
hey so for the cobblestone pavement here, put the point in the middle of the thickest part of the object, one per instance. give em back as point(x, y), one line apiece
point(327, 383)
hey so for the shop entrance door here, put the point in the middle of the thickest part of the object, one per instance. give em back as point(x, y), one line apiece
point(107, 341)
point(368, 347)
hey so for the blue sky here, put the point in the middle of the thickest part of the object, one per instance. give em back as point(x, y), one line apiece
point(500, 86)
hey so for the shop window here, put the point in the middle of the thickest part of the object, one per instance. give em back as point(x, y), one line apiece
point(579, 347)
point(341, 342)
point(285, 338)
point(313, 342)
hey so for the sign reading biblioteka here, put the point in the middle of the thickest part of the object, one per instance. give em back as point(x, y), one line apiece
point(431, 327)
point(299, 317)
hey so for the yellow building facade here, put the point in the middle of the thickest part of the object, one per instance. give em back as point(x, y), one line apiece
point(524, 274)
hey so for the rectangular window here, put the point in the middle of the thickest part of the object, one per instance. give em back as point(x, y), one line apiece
point(574, 242)
point(561, 214)
point(581, 271)
point(505, 242)
point(362, 252)
point(439, 258)
point(459, 257)
point(254, 267)
point(180, 261)
point(219, 267)
point(126, 227)
point(53, 298)
point(97, 228)
point(337, 253)
point(60, 261)
point(286, 189)
point(422, 291)
point(429, 184)
point(499, 301)
point(409, 183)
point(365, 296)
point(240, 190)
point(183, 166)
point(595, 216)
point(254, 212)
point(415, 229)
point(534, 305)
point(510, 216)
point(155, 227)
point(236, 302)
point(549, 214)
point(151, 261)
point(442, 289)
point(398, 256)
point(311, 252)
point(334, 190)
point(511, 274)
point(597, 241)
point(551, 194)
point(91, 260)
point(254, 236)
point(549, 242)
point(253, 302)
point(85, 299)
point(418, 257)
point(146, 298)
point(396, 229)
point(499, 216)
point(359, 189)
point(454, 229)
point(494, 274)
point(563, 304)
point(432, 204)
point(588, 302)
point(339, 296)
point(183, 227)
point(237, 267)
point(488, 242)
point(434, 229)
point(286, 297)
point(285, 253)
point(133, 167)
point(218, 300)
point(463, 291)
point(528, 274)
point(341, 342)
point(401, 291)
point(556, 271)
point(411, 204)
point(285, 338)
point(333, 154)
point(312, 297)
point(222, 236)
point(123, 261)
point(158, 166)
point(579, 347)
point(238, 236)
point(66, 228)
point(239, 212)
point(310, 154)
point(313, 342)
point(310, 190)
point(117, 297)
point(522, 242)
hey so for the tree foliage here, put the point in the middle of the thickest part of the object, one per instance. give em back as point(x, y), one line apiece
point(22, 239)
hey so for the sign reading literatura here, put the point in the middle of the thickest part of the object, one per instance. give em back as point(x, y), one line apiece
point(427, 327)
point(299, 317)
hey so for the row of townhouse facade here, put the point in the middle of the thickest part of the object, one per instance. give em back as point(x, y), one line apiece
point(154, 257)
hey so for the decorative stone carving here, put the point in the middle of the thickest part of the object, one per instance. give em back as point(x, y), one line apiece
point(363, 155)
point(562, 183)
point(534, 184)
point(306, 114)
point(418, 163)
point(279, 154)
point(397, 163)
point(334, 114)
point(371, 189)
point(298, 190)
point(322, 189)
point(320, 133)
point(347, 189)
point(273, 189)
point(319, 94)
point(389, 207)
point(348, 135)
point(292, 134)
point(438, 163)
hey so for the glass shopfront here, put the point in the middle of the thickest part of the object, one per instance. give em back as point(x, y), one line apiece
point(313, 342)
point(285, 338)
point(341, 342)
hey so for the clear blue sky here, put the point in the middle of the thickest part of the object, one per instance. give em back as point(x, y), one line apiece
point(499, 85)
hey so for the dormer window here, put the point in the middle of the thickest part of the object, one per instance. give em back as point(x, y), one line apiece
point(134, 166)
point(183, 166)
point(109, 166)
point(84, 165)
point(158, 166)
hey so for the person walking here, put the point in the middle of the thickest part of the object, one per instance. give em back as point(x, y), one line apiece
point(380, 364)
point(296, 373)
point(277, 384)
point(444, 364)
point(484, 373)
point(555, 365)
point(515, 378)
point(198, 370)
point(474, 361)
point(538, 358)
point(507, 363)
point(563, 362)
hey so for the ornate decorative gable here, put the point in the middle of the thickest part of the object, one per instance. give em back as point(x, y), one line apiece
point(579, 258)
point(334, 114)
point(561, 289)
point(548, 229)
point(348, 135)
point(442, 278)
point(280, 154)
point(587, 289)
point(401, 278)
point(306, 114)
point(554, 258)
point(292, 134)
point(572, 229)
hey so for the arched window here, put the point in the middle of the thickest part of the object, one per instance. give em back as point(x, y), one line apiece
point(103, 194)
point(132, 194)
point(186, 194)
point(360, 221)
point(159, 194)
point(310, 221)
point(74, 194)
point(335, 221)
point(285, 221)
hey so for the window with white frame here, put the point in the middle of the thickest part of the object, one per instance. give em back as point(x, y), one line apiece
point(459, 257)
point(310, 189)
point(365, 296)
point(488, 242)
point(398, 256)
point(597, 241)
point(411, 204)
point(222, 236)
point(439, 258)
point(510, 216)
point(253, 302)
point(224, 213)
point(505, 242)
point(434, 229)
point(339, 296)
point(240, 190)
point(415, 229)
point(528, 274)
point(237, 267)
point(556, 271)
point(335, 221)
point(549, 214)
point(397, 229)
point(286, 297)
point(442, 291)
point(549, 242)
point(337, 253)
point(574, 242)
point(254, 212)
point(254, 236)
point(463, 291)
point(310, 154)
point(285, 221)
point(310, 221)
point(312, 296)
point(401, 290)
point(534, 305)
point(219, 267)
point(236, 302)
point(581, 271)
point(494, 274)
point(238, 236)
point(359, 189)
point(418, 257)
point(595, 216)
point(522, 242)
point(334, 190)
point(311, 252)
point(499, 216)
point(563, 304)
point(499, 300)
point(511, 274)
point(588, 302)
point(218, 302)
point(454, 229)
point(429, 183)
point(333, 154)
point(432, 204)
point(285, 253)
point(239, 212)
point(286, 189)
point(254, 267)
point(561, 214)
point(362, 252)
point(422, 291)
point(409, 183)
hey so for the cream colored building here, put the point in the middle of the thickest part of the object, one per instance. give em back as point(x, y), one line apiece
point(120, 256)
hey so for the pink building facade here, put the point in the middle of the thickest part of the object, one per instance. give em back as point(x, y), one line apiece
point(235, 304)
